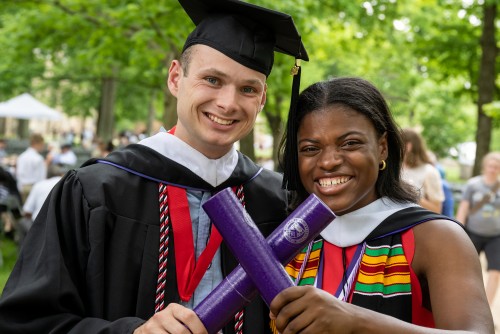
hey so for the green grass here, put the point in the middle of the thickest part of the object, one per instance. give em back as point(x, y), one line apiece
point(8, 251)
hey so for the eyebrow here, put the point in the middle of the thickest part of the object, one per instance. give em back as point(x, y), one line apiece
point(339, 138)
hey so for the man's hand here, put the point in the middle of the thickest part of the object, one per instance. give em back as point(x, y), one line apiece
point(174, 319)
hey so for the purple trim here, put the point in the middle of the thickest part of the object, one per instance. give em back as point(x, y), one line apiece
point(411, 226)
point(319, 276)
point(256, 174)
point(147, 176)
point(163, 181)
point(354, 262)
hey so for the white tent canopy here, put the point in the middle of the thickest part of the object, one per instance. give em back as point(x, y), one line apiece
point(26, 106)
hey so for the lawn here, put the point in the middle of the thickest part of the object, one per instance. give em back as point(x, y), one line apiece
point(8, 255)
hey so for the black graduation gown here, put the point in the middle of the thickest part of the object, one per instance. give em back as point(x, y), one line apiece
point(90, 262)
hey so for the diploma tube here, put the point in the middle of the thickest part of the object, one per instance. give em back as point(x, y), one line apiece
point(237, 289)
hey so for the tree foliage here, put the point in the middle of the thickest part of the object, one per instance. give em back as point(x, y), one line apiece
point(424, 55)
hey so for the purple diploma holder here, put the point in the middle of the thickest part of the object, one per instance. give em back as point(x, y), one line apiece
point(260, 260)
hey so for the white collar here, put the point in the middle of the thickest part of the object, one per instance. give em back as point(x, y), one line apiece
point(213, 171)
point(352, 228)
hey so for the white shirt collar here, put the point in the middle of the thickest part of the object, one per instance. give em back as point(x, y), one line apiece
point(213, 171)
point(352, 228)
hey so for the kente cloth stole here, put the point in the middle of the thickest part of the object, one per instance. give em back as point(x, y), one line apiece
point(379, 271)
point(384, 279)
point(306, 274)
point(174, 213)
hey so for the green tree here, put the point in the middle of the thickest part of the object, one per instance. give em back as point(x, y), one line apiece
point(97, 45)
point(456, 41)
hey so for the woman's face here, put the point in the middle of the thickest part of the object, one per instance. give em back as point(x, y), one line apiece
point(491, 168)
point(339, 154)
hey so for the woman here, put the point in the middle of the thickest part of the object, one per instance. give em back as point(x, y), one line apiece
point(379, 267)
point(479, 211)
point(419, 171)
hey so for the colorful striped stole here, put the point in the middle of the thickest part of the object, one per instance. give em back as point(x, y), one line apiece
point(300, 274)
point(384, 271)
point(311, 255)
point(383, 283)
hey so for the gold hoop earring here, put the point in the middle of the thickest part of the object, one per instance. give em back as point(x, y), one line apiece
point(384, 165)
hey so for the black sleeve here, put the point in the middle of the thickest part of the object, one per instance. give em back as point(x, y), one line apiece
point(47, 290)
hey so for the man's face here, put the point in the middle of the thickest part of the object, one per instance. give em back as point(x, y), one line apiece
point(491, 168)
point(218, 100)
point(39, 147)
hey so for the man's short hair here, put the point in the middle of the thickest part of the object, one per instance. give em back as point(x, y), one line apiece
point(36, 138)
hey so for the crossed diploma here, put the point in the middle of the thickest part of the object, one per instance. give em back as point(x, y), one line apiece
point(260, 259)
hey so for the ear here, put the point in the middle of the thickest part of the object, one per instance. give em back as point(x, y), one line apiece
point(264, 98)
point(175, 73)
point(383, 146)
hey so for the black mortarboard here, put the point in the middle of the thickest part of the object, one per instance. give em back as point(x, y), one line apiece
point(246, 33)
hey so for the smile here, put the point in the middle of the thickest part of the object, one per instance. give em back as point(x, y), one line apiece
point(219, 120)
point(333, 181)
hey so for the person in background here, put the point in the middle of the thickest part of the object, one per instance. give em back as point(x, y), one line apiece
point(126, 245)
point(448, 206)
point(10, 203)
point(3, 151)
point(101, 148)
point(105, 148)
point(384, 264)
point(479, 211)
point(41, 190)
point(30, 166)
point(65, 157)
point(37, 196)
point(419, 171)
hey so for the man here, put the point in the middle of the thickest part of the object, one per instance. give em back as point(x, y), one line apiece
point(36, 199)
point(30, 166)
point(65, 157)
point(40, 190)
point(123, 245)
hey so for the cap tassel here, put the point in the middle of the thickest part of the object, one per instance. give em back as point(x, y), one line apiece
point(296, 68)
point(290, 177)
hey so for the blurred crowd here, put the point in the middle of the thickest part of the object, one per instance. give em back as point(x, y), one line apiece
point(27, 178)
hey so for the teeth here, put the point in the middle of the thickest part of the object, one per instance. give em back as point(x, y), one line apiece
point(333, 181)
point(220, 120)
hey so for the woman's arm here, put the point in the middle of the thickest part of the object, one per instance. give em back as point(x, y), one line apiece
point(463, 211)
point(444, 257)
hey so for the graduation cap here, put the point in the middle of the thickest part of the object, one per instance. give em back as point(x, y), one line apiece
point(246, 33)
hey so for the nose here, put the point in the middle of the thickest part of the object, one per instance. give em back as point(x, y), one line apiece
point(227, 98)
point(329, 159)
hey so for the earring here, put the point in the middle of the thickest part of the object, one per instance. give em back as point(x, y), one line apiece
point(383, 165)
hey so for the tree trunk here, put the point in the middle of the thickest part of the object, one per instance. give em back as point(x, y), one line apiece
point(23, 128)
point(486, 85)
point(151, 113)
point(247, 145)
point(3, 126)
point(106, 120)
point(276, 126)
